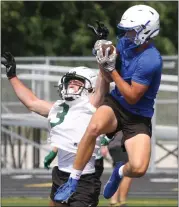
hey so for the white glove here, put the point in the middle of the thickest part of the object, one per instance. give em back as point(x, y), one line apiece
point(107, 61)
point(98, 44)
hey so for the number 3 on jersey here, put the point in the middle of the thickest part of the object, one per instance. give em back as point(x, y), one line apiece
point(60, 115)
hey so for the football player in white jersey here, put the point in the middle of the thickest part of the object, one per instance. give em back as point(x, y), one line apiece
point(82, 91)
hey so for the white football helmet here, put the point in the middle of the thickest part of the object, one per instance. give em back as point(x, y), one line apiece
point(83, 74)
point(144, 20)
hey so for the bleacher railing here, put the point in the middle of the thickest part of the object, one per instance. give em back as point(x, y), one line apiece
point(42, 73)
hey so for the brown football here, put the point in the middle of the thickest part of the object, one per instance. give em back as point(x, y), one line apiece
point(104, 47)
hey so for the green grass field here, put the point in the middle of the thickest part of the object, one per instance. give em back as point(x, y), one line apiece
point(131, 202)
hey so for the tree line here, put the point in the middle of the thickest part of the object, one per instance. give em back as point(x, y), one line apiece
point(59, 28)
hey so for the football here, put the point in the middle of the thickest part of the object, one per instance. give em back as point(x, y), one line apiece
point(104, 47)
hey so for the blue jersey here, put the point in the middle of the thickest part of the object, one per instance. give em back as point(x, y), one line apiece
point(144, 68)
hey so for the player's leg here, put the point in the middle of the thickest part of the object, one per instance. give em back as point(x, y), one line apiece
point(124, 189)
point(139, 150)
point(137, 133)
point(120, 196)
point(119, 154)
point(103, 121)
point(126, 181)
point(137, 137)
point(114, 152)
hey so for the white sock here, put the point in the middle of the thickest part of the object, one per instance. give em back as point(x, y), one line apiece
point(76, 174)
point(121, 171)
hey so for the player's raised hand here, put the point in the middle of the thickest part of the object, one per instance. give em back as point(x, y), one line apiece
point(106, 58)
point(10, 64)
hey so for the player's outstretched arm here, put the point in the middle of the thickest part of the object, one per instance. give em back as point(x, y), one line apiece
point(101, 89)
point(25, 95)
point(106, 75)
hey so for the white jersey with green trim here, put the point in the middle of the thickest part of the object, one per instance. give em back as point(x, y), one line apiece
point(68, 121)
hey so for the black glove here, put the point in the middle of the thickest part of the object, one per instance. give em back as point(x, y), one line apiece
point(101, 31)
point(10, 64)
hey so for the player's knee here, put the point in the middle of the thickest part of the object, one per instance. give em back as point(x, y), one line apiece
point(94, 130)
point(139, 170)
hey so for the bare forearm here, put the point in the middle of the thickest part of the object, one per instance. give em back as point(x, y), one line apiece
point(105, 75)
point(24, 94)
point(29, 99)
point(124, 88)
point(101, 89)
point(104, 86)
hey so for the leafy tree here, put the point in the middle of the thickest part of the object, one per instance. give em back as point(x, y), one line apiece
point(60, 27)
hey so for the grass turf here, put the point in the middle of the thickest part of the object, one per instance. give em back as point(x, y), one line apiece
point(23, 201)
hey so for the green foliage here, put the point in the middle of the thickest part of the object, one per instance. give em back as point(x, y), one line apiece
point(59, 28)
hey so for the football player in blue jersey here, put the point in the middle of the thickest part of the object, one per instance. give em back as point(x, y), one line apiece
point(135, 67)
